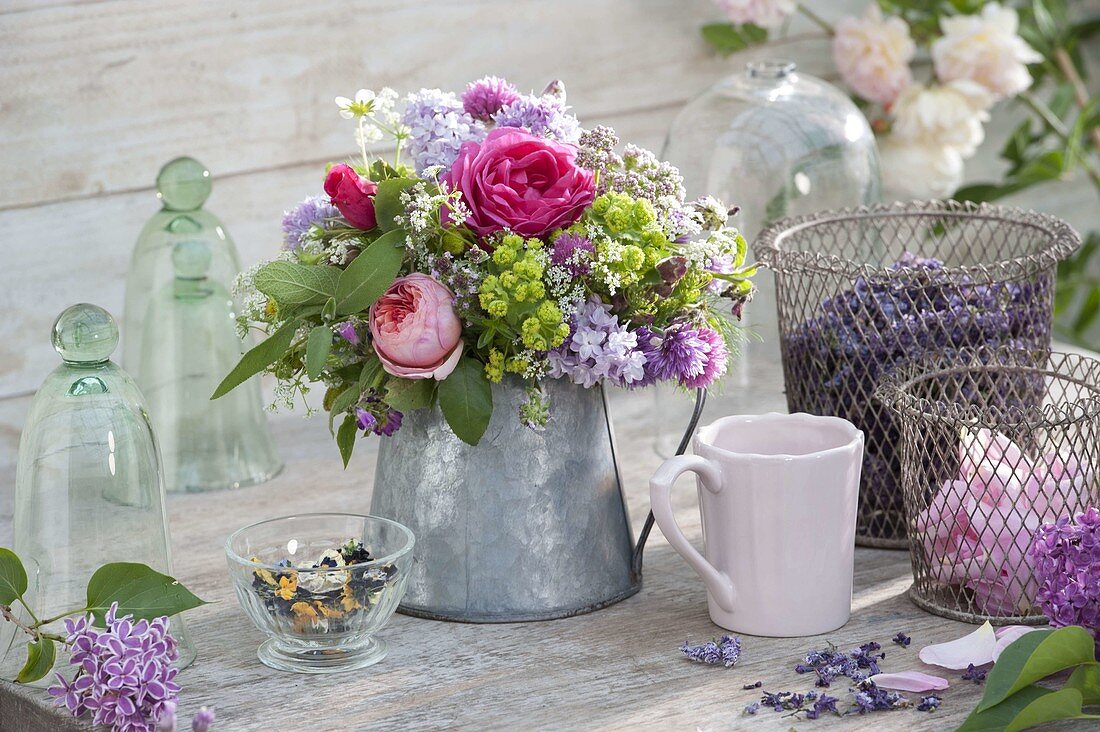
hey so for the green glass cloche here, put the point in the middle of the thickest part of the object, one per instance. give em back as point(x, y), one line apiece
point(181, 339)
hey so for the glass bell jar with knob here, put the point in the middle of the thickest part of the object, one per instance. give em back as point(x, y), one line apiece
point(88, 483)
point(774, 142)
point(180, 340)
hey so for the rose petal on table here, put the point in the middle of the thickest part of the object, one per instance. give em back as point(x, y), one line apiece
point(1006, 636)
point(976, 648)
point(910, 681)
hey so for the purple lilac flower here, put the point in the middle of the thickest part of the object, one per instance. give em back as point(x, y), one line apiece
point(869, 697)
point(125, 677)
point(438, 125)
point(902, 640)
point(544, 115)
point(297, 222)
point(346, 330)
point(752, 708)
point(695, 357)
point(598, 348)
point(203, 720)
point(1066, 555)
point(823, 703)
point(726, 651)
point(485, 97)
point(573, 253)
point(929, 703)
point(830, 664)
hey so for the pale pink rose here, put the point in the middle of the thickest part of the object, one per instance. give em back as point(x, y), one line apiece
point(985, 49)
point(872, 54)
point(415, 331)
point(764, 13)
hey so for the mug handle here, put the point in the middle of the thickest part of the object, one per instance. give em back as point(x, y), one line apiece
point(660, 497)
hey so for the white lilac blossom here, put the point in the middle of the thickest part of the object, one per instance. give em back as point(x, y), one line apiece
point(598, 348)
point(437, 127)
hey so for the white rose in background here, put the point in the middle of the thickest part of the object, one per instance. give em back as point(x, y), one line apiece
point(914, 168)
point(764, 13)
point(949, 114)
point(985, 49)
point(873, 53)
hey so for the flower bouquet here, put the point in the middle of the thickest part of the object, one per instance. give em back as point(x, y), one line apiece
point(500, 238)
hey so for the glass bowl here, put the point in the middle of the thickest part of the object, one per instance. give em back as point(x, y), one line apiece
point(320, 586)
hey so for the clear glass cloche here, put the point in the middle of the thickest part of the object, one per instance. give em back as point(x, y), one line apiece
point(88, 483)
point(180, 341)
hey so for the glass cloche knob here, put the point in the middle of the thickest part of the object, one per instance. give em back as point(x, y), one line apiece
point(191, 260)
point(85, 333)
point(183, 184)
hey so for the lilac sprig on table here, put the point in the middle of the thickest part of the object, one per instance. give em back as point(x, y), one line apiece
point(975, 674)
point(829, 663)
point(902, 640)
point(725, 651)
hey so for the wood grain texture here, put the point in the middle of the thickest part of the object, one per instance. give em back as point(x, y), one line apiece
point(618, 668)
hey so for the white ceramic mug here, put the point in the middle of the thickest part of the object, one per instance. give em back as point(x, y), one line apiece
point(778, 495)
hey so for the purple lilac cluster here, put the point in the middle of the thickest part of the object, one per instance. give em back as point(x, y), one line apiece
point(725, 650)
point(203, 721)
point(545, 115)
point(836, 358)
point(828, 664)
point(1066, 555)
point(438, 125)
point(300, 220)
point(598, 347)
point(125, 679)
point(487, 96)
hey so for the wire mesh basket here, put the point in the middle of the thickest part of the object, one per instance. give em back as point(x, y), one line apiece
point(994, 443)
point(861, 291)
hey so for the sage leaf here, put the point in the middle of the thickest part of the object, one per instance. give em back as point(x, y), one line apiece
point(1086, 679)
point(345, 438)
point(1034, 656)
point(139, 590)
point(13, 577)
point(318, 346)
point(41, 655)
point(290, 283)
point(370, 273)
point(405, 395)
point(466, 399)
point(258, 358)
point(387, 201)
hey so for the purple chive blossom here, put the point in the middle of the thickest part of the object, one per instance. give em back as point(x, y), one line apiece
point(485, 97)
point(572, 253)
point(298, 221)
point(364, 420)
point(544, 115)
point(929, 703)
point(438, 125)
point(695, 357)
point(1066, 555)
point(203, 720)
point(346, 330)
point(725, 650)
point(902, 640)
point(598, 348)
point(125, 676)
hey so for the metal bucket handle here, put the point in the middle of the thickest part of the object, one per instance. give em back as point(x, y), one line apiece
point(696, 414)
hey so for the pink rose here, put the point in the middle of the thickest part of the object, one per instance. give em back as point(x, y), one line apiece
point(352, 195)
point(516, 180)
point(416, 332)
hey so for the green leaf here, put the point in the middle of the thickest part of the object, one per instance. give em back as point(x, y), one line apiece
point(1048, 166)
point(405, 395)
point(369, 274)
point(345, 438)
point(387, 201)
point(1034, 656)
point(727, 38)
point(13, 577)
point(1090, 308)
point(466, 399)
point(41, 655)
point(139, 590)
point(258, 358)
point(317, 349)
point(370, 376)
point(1061, 704)
point(1086, 679)
point(342, 403)
point(290, 283)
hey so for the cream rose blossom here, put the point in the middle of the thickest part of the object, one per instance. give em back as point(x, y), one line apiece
point(919, 168)
point(764, 13)
point(985, 49)
point(949, 114)
point(873, 53)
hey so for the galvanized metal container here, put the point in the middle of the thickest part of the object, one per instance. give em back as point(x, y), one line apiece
point(527, 525)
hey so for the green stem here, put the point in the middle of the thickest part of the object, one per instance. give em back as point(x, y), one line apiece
point(55, 618)
point(1051, 119)
point(28, 609)
point(363, 145)
point(816, 19)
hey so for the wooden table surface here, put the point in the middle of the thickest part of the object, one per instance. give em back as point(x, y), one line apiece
point(613, 669)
